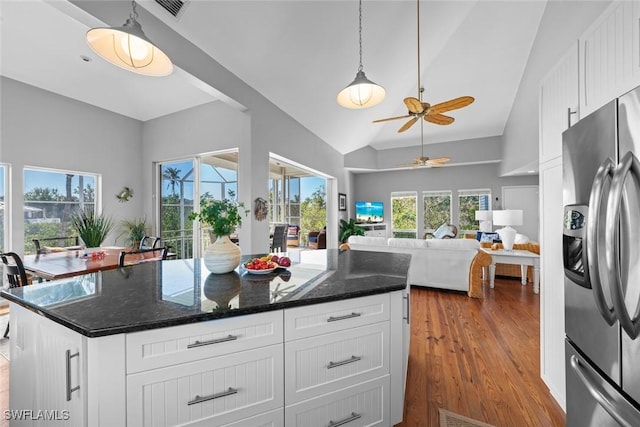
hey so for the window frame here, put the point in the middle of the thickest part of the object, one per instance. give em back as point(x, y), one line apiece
point(435, 193)
point(97, 179)
point(405, 231)
point(473, 192)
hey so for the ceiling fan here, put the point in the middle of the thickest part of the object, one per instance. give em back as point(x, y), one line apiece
point(423, 161)
point(430, 113)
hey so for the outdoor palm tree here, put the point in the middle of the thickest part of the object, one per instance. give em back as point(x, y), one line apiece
point(173, 176)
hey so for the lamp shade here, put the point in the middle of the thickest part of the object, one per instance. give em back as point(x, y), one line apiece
point(507, 217)
point(129, 48)
point(361, 93)
point(484, 215)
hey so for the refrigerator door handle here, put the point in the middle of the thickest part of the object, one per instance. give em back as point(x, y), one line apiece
point(591, 237)
point(629, 164)
point(618, 410)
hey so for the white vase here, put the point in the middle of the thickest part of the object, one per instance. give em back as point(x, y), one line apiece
point(222, 256)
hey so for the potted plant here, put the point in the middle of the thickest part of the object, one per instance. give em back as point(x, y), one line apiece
point(349, 229)
point(224, 217)
point(135, 230)
point(91, 228)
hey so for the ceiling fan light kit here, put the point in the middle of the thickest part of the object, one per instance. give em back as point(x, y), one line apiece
point(129, 48)
point(362, 92)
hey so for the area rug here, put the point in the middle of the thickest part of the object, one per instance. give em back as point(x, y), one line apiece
point(451, 419)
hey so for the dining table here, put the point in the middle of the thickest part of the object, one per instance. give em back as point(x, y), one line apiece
point(60, 265)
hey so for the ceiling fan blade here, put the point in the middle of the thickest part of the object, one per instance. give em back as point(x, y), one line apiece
point(408, 124)
point(439, 160)
point(439, 119)
point(453, 104)
point(391, 118)
point(414, 105)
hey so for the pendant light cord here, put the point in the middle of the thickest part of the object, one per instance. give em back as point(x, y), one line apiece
point(360, 33)
point(134, 13)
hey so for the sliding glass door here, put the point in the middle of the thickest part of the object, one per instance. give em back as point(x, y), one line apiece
point(183, 183)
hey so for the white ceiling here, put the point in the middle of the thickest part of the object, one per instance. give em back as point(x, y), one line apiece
point(298, 54)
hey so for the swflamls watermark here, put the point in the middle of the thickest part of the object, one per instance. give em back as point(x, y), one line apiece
point(30, 415)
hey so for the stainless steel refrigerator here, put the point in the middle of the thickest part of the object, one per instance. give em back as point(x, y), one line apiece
point(601, 254)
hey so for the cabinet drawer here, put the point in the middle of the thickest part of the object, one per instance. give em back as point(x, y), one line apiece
point(208, 392)
point(328, 362)
point(365, 404)
point(170, 346)
point(270, 419)
point(307, 321)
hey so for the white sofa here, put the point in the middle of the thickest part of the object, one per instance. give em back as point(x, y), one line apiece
point(437, 263)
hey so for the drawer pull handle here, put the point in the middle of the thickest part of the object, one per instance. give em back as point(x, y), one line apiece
point(200, 399)
point(216, 341)
point(343, 362)
point(346, 316)
point(353, 417)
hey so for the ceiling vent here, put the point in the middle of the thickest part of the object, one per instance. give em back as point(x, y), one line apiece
point(174, 7)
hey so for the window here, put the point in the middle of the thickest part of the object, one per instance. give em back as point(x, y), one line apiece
point(404, 214)
point(437, 209)
point(469, 202)
point(50, 198)
point(181, 182)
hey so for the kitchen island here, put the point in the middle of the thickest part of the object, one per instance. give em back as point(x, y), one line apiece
point(167, 343)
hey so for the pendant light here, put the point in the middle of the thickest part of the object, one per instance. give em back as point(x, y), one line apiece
point(362, 92)
point(129, 48)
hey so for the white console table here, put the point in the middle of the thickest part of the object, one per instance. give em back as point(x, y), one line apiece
point(518, 257)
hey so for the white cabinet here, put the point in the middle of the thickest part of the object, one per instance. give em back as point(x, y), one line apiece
point(322, 364)
point(558, 104)
point(610, 55)
point(346, 361)
point(207, 392)
point(179, 344)
point(364, 404)
point(338, 361)
point(375, 230)
point(53, 360)
point(552, 278)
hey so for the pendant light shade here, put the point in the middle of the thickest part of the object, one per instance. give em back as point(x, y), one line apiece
point(129, 48)
point(362, 92)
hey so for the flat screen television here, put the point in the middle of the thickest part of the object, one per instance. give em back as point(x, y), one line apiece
point(369, 212)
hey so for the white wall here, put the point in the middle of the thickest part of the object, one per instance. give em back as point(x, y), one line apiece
point(42, 129)
point(561, 25)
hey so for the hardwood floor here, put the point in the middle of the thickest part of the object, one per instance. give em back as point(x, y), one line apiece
point(4, 390)
point(479, 358)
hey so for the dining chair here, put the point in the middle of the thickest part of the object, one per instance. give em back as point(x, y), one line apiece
point(149, 242)
point(127, 258)
point(279, 241)
point(16, 274)
point(49, 244)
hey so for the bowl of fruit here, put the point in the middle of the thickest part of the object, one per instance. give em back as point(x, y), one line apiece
point(266, 264)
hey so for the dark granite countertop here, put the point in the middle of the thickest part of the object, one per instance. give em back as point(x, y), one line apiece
point(175, 292)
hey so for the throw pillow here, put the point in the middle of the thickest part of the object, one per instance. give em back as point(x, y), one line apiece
point(443, 231)
point(490, 237)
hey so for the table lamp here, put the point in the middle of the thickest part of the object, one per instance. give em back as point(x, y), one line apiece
point(485, 217)
point(507, 218)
